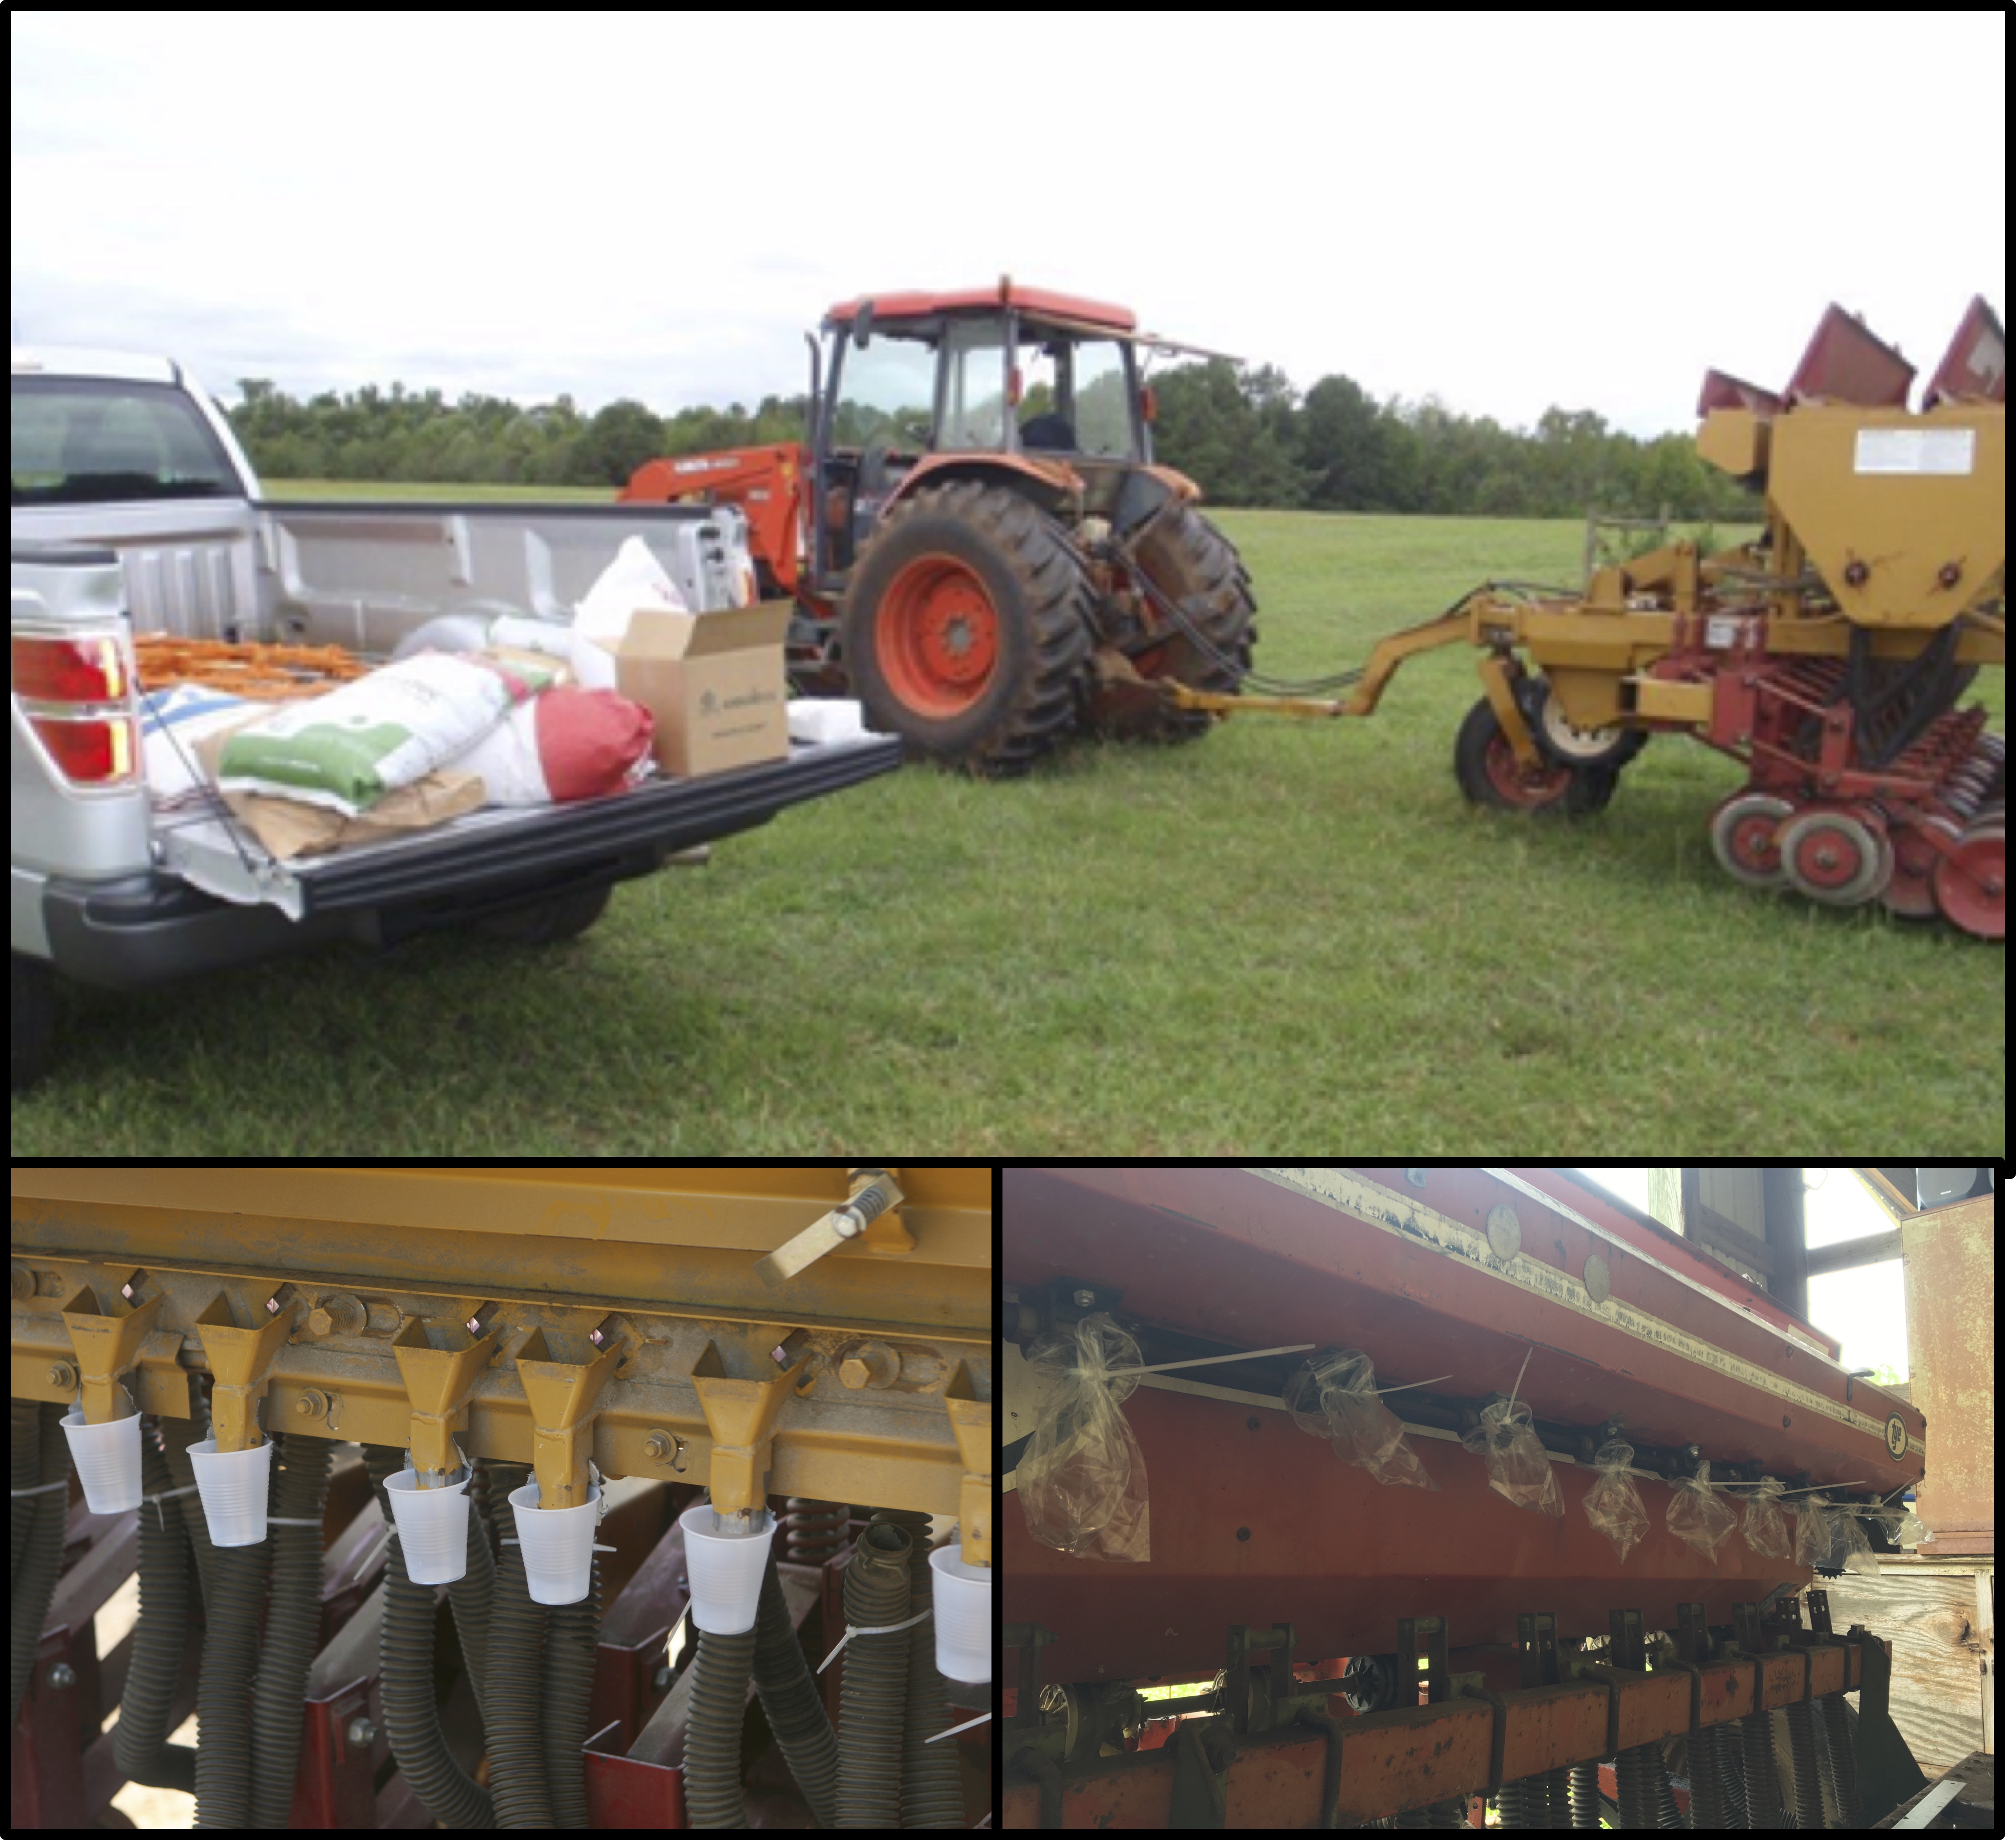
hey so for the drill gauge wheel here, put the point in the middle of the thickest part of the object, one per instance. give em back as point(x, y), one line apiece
point(1833, 856)
point(1745, 833)
point(1908, 893)
point(1969, 884)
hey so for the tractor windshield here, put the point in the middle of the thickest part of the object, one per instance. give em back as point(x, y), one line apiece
point(885, 394)
point(1076, 396)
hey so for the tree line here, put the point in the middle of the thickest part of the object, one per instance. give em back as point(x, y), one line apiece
point(1244, 433)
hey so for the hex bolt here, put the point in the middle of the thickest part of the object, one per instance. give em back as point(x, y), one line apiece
point(314, 1403)
point(658, 1446)
point(873, 1364)
point(61, 1674)
point(1083, 1299)
point(20, 1281)
point(63, 1375)
point(361, 1732)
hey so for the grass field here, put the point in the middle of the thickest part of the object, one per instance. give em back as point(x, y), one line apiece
point(1287, 936)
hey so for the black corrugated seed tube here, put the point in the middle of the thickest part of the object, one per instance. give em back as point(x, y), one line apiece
point(1585, 1796)
point(570, 1633)
point(511, 1698)
point(791, 1701)
point(177, 1435)
point(1841, 1757)
point(1705, 1807)
point(238, 1580)
point(26, 1425)
point(1810, 1810)
point(722, 1668)
point(294, 1625)
point(472, 1596)
point(139, 1740)
point(931, 1796)
point(1729, 1748)
point(1760, 1771)
point(42, 1551)
point(406, 1682)
point(872, 1692)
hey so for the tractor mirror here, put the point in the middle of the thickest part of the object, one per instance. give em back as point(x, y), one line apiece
point(864, 324)
point(1147, 402)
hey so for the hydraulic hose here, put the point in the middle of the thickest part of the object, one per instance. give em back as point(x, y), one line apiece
point(238, 1579)
point(868, 1791)
point(511, 1697)
point(294, 1624)
point(406, 1682)
point(1332, 1733)
point(570, 1632)
point(791, 1702)
point(931, 1797)
point(722, 1666)
point(139, 1740)
point(42, 1553)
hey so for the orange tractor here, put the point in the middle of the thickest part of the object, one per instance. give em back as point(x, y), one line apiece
point(979, 544)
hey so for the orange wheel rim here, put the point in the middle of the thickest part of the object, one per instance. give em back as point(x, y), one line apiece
point(938, 638)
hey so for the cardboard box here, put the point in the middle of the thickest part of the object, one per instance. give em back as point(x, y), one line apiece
point(712, 682)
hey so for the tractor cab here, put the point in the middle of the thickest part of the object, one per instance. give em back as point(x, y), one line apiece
point(943, 386)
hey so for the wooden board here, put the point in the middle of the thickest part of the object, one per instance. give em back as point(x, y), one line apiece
point(1939, 1653)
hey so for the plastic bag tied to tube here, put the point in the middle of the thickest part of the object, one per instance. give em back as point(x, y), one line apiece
point(1699, 1515)
point(1612, 1503)
point(1851, 1546)
point(1764, 1521)
point(1083, 1483)
point(1330, 1396)
point(1813, 1538)
point(1515, 1459)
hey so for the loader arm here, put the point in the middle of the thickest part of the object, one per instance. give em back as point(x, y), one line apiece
point(768, 484)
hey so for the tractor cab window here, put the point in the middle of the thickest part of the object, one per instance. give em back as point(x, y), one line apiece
point(885, 394)
point(1075, 397)
point(975, 387)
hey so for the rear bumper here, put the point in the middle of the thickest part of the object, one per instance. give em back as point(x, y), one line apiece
point(149, 930)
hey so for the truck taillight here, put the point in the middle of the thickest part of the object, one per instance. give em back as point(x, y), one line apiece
point(75, 691)
point(89, 750)
point(50, 669)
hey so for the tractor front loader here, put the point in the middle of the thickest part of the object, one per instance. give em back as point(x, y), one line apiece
point(976, 537)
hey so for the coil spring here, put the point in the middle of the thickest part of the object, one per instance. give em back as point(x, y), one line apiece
point(1729, 1752)
point(1705, 1807)
point(1760, 1772)
point(814, 1531)
point(1585, 1801)
point(1810, 1808)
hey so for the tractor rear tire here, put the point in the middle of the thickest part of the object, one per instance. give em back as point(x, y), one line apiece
point(967, 628)
point(1192, 564)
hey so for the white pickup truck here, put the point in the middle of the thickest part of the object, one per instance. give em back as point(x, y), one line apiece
point(135, 511)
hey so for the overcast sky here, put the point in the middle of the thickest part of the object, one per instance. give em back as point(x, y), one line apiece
point(1505, 211)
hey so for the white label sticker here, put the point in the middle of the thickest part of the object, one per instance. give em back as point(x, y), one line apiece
point(1914, 450)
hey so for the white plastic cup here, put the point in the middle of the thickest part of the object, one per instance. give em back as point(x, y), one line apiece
point(962, 1613)
point(232, 1486)
point(433, 1528)
point(108, 1461)
point(725, 1569)
point(557, 1544)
